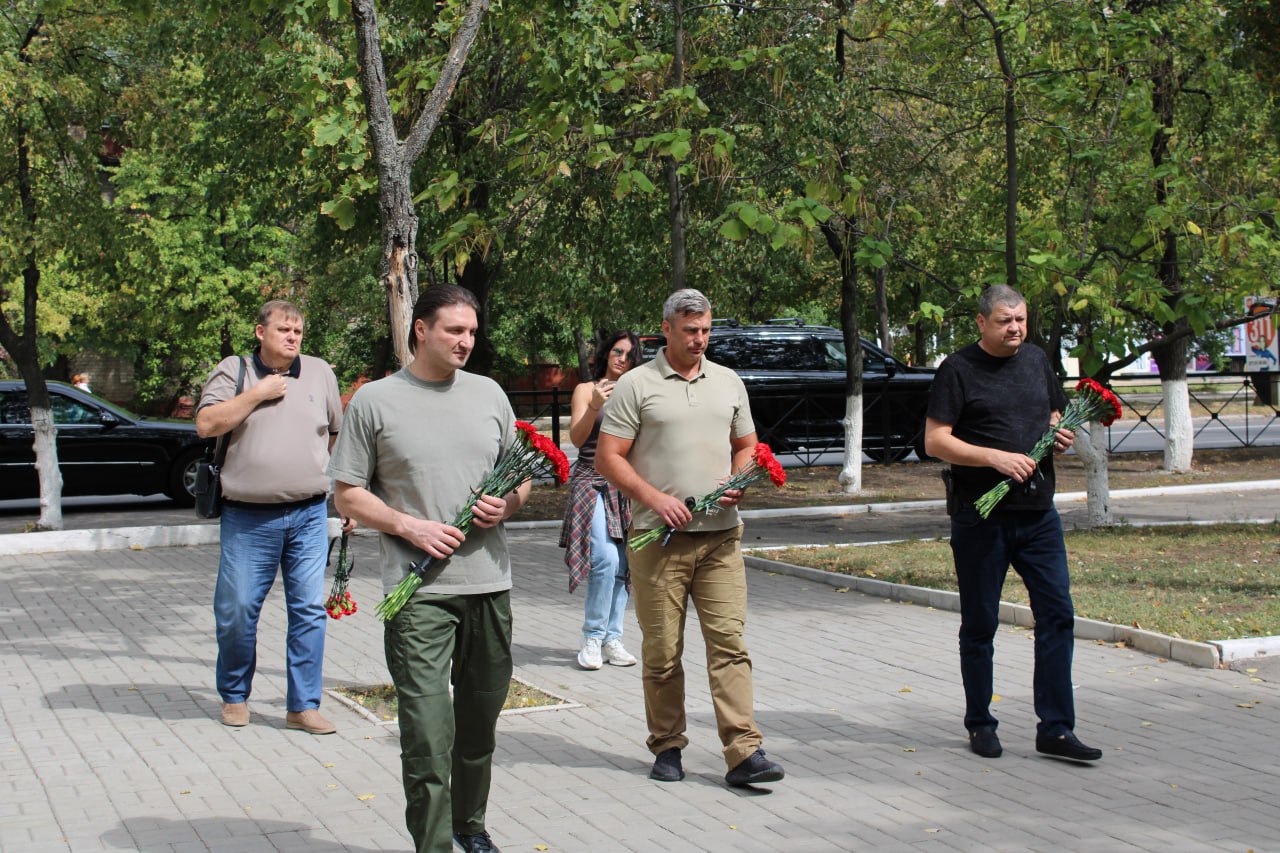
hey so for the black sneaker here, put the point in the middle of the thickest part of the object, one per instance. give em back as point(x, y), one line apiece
point(753, 769)
point(984, 742)
point(1067, 746)
point(667, 767)
point(478, 843)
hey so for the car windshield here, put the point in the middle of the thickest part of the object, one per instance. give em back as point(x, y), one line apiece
point(740, 352)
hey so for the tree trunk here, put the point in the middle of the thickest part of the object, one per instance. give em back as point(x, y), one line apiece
point(23, 349)
point(882, 309)
point(478, 276)
point(584, 355)
point(1010, 148)
point(840, 233)
point(398, 267)
point(1091, 447)
point(675, 195)
point(1179, 432)
point(1171, 359)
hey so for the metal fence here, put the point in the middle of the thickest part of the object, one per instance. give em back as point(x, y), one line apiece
point(1243, 404)
point(804, 423)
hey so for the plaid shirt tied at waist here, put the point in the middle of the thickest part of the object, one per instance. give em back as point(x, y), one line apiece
point(585, 483)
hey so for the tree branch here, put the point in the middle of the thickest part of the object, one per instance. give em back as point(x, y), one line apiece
point(450, 73)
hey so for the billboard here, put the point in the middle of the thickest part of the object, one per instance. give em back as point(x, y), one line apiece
point(1262, 350)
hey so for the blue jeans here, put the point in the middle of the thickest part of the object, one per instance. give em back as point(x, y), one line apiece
point(606, 596)
point(984, 550)
point(255, 541)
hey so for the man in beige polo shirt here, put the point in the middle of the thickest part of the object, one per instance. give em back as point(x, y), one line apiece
point(274, 516)
point(674, 429)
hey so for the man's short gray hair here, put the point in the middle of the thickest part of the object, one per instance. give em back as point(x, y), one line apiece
point(998, 294)
point(685, 302)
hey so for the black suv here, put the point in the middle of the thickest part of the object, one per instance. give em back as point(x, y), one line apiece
point(102, 449)
point(795, 376)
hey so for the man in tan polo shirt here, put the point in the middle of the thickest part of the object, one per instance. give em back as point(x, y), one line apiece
point(674, 429)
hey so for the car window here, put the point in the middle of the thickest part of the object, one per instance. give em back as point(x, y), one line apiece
point(833, 352)
point(68, 411)
point(873, 362)
point(741, 352)
point(13, 408)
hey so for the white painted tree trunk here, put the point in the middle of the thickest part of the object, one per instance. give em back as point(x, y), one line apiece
point(1091, 447)
point(1178, 429)
point(851, 471)
point(46, 446)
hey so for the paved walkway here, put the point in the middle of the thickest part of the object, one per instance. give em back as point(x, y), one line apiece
point(110, 739)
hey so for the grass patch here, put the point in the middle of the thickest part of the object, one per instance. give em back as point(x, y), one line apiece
point(1195, 582)
point(381, 701)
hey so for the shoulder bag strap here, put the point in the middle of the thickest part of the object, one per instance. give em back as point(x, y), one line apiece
point(220, 454)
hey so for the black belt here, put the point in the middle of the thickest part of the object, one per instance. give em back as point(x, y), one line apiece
point(311, 501)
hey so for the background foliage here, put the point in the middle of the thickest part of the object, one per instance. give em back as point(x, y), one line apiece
point(232, 166)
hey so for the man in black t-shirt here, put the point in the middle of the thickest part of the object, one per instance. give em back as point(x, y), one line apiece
point(991, 401)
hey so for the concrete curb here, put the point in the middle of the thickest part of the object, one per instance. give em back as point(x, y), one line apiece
point(123, 538)
point(110, 539)
point(1206, 655)
point(14, 544)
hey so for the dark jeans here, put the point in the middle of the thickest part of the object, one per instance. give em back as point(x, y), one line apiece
point(446, 744)
point(984, 550)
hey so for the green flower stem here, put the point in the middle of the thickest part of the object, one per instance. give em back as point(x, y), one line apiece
point(518, 464)
point(1085, 407)
point(708, 503)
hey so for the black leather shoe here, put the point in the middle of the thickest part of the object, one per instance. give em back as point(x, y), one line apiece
point(1067, 746)
point(984, 742)
point(667, 767)
point(753, 769)
point(478, 843)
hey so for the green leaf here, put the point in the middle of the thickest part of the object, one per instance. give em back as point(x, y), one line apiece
point(733, 229)
point(623, 187)
point(343, 211)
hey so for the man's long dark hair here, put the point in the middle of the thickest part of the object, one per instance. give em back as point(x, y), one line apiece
point(432, 300)
point(601, 365)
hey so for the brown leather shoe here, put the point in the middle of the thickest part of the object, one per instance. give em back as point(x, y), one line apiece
point(308, 721)
point(235, 714)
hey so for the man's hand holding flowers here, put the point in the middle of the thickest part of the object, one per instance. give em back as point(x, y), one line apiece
point(676, 513)
point(530, 455)
point(1092, 402)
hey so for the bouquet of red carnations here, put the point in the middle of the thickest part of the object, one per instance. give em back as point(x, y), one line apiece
point(1092, 402)
point(529, 455)
point(762, 464)
point(340, 602)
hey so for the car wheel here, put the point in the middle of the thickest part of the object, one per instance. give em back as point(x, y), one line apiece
point(182, 477)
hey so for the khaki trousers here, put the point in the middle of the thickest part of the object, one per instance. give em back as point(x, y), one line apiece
point(706, 568)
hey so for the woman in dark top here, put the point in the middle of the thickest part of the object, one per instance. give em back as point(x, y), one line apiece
point(597, 517)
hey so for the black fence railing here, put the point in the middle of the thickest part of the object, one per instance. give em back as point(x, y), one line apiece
point(1243, 405)
point(805, 421)
point(542, 408)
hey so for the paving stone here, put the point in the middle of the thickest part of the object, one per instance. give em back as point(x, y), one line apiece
point(107, 703)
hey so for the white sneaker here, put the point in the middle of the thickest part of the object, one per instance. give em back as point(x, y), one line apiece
point(616, 655)
point(589, 654)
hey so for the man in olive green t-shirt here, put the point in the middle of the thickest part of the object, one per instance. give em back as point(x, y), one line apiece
point(674, 429)
point(411, 448)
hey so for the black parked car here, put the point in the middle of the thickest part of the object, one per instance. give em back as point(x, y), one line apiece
point(795, 375)
point(102, 449)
